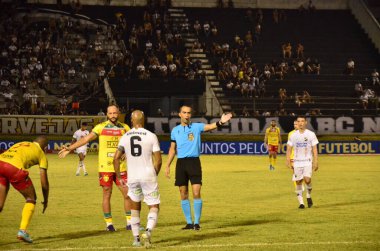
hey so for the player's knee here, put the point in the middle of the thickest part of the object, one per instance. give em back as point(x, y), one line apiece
point(184, 196)
point(107, 191)
point(154, 210)
point(31, 200)
point(197, 194)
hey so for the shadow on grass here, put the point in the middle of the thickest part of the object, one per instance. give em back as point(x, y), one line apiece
point(242, 223)
point(9, 243)
point(62, 236)
point(180, 224)
point(194, 236)
point(346, 203)
point(71, 236)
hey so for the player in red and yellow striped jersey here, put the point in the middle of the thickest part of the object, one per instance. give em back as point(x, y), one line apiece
point(272, 141)
point(13, 170)
point(109, 133)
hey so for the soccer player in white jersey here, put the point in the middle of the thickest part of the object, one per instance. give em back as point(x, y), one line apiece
point(304, 142)
point(81, 151)
point(139, 146)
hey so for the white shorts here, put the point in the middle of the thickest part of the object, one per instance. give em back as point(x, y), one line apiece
point(301, 172)
point(147, 190)
point(81, 150)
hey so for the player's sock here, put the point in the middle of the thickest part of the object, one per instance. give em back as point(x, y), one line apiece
point(270, 160)
point(78, 169)
point(108, 218)
point(186, 211)
point(136, 238)
point(152, 218)
point(84, 168)
point(128, 217)
point(197, 210)
point(299, 194)
point(274, 161)
point(26, 216)
point(135, 223)
point(308, 190)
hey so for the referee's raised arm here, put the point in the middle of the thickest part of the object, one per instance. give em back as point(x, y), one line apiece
point(224, 119)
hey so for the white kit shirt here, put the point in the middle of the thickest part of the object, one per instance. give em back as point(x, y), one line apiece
point(302, 144)
point(78, 135)
point(139, 145)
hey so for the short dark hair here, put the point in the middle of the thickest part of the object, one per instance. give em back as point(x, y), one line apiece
point(115, 105)
point(301, 117)
point(180, 109)
point(84, 123)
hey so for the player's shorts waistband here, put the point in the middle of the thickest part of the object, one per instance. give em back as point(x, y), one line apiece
point(7, 165)
point(189, 158)
point(302, 160)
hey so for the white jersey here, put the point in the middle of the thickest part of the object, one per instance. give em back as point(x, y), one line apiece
point(77, 136)
point(139, 145)
point(302, 144)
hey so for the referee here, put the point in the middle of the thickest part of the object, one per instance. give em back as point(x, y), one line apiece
point(186, 141)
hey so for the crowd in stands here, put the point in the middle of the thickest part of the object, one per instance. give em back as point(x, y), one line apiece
point(155, 48)
point(239, 74)
point(369, 91)
point(69, 59)
point(57, 56)
point(235, 68)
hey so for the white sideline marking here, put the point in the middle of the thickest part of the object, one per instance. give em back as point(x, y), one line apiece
point(258, 244)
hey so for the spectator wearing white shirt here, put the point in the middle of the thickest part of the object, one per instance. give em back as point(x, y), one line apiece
point(71, 72)
point(375, 77)
point(34, 100)
point(206, 29)
point(23, 85)
point(350, 67)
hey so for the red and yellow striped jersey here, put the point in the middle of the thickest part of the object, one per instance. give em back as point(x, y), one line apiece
point(109, 135)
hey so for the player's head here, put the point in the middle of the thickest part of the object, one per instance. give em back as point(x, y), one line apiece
point(83, 126)
point(273, 123)
point(42, 141)
point(113, 113)
point(185, 114)
point(301, 122)
point(295, 124)
point(137, 118)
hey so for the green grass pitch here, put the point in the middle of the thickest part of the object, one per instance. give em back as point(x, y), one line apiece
point(246, 207)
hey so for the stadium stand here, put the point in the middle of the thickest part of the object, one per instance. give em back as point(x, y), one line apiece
point(238, 51)
point(332, 37)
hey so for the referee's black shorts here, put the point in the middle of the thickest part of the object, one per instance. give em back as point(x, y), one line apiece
point(188, 169)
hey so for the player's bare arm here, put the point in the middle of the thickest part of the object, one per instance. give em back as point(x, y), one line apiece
point(116, 165)
point(45, 187)
point(266, 140)
point(171, 155)
point(288, 153)
point(224, 119)
point(66, 150)
point(157, 161)
point(315, 158)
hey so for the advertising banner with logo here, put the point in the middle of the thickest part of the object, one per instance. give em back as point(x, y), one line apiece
point(240, 148)
point(67, 125)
